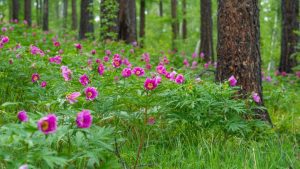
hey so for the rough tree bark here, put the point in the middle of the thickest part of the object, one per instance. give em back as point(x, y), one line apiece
point(65, 14)
point(289, 39)
point(46, 15)
point(108, 20)
point(161, 10)
point(15, 9)
point(206, 45)
point(239, 47)
point(74, 15)
point(175, 23)
point(27, 11)
point(127, 21)
point(184, 22)
point(86, 19)
point(142, 22)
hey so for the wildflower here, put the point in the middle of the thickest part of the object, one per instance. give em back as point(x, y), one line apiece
point(138, 71)
point(172, 75)
point(194, 55)
point(283, 73)
point(72, 97)
point(298, 74)
point(56, 44)
point(131, 51)
point(206, 65)
point(148, 66)
point(48, 124)
point(101, 69)
point(24, 166)
point(202, 55)
point(105, 58)
point(232, 81)
point(66, 73)
point(4, 29)
point(194, 64)
point(56, 59)
point(35, 77)
point(108, 52)
point(36, 51)
point(84, 119)
point(126, 72)
point(84, 80)
point(117, 62)
point(43, 84)
point(268, 79)
point(256, 97)
point(78, 46)
point(186, 63)
point(161, 69)
point(22, 116)
point(5, 39)
point(179, 79)
point(93, 52)
point(151, 121)
point(150, 84)
point(91, 93)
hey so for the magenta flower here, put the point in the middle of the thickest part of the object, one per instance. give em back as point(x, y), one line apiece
point(22, 116)
point(105, 58)
point(256, 97)
point(151, 121)
point(283, 73)
point(117, 62)
point(72, 97)
point(36, 51)
point(194, 55)
point(298, 74)
point(5, 39)
point(138, 71)
point(150, 84)
point(24, 166)
point(56, 44)
point(194, 64)
point(93, 52)
point(186, 63)
point(48, 124)
point(101, 69)
point(43, 84)
point(4, 29)
point(78, 46)
point(172, 75)
point(161, 69)
point(56, 59)
point(84, 80)
point(126, 72)
point(91, 93)
point(206, 65)
point(232, 81)
point(108, 52)
point(268, 79)
point(84, 119)
point(202, 55)
point(35, 77)
point(66, 73)
point(179, 79)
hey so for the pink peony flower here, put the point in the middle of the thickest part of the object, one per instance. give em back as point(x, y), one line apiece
point(108, 52)
point(84, 119)
point(93, 52)
point(186, 63)
point(5, 40)
point(138, 71)
point(48, 124)
point(84, 80)
point(36, 51)
point(101, 69)
point(194, 65)
point(256, 97)
point(56, 44)
point(232, 81)
point(24, 166)
point(22, 116)
point(172, 75)
point(268, 79)
point(202, 55)
point(66, 73)
point(194, 55)
point(150, 84)
point(160, 69)
point(206, 65)
point(126, 72)
point(117, 62)
point(56, 59)
point(35, 77)
point(105, 58)
point(72, 97)
point(283, 73)
point(151, 121)
point(78, 46)
point(179, 79)
point(43, 84)
point(298, 74)
point(91, 93)
point(4, 29)
point(131, 51)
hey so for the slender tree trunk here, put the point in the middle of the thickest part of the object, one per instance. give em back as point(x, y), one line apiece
point(46, 16)
point(15, 9)
point(142, 21)
point(65, 13)
point(127, 21)
point(184, 22)
point(161, 10)
point(175, 23)
point(239, 47)
point(206, 45)
point(38, 22)
point(109, 20)
point(27, 11)
point(57, 9)
point(86, 19)
point(289, 38)
point(74, 15)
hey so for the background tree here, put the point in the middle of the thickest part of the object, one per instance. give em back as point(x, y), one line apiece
point(74, 15)
point(15, 9)
point(65, 14)
point(127, 21)
point(289, 38)
point(86, 19)
point(206, 45)
point(27, 11)
point(175, 23)
point(142, 21)
point(161, 10)
point(184, 22)
point(109, 19)
point(46, 15)
point(239, 47)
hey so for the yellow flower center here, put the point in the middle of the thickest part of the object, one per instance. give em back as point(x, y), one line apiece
point(150, 85)
point(45, 125)
point(89, 94)
point(138, 72)
point(117, 63)
point(35, 78)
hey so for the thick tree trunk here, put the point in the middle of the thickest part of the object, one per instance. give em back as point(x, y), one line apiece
point(108, 20)
point(46, 15)
point(142, 22)
point(15, 9)
point(161, 9)
point(289, 39)
point(86, 19)
point(239, 47)
point(127, 21)
point(206, 45)
point(27, 11)
point(65, 13)
point(175, 23)
point(74, 15)
point(184, 22)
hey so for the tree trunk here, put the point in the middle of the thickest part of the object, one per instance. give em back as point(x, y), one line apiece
point(184, 22)
point(142, 22)
point(161, 10)
point(239, 47)
point(65, 13)
point(37, 8)
point(127, 21)
point(46, 16)
point(15, 9)
point(27, 11)
point(74, 15)
point(108, 20)
point(86, 19)
point(289, 39)
point(206, 45)
point(175, 23)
